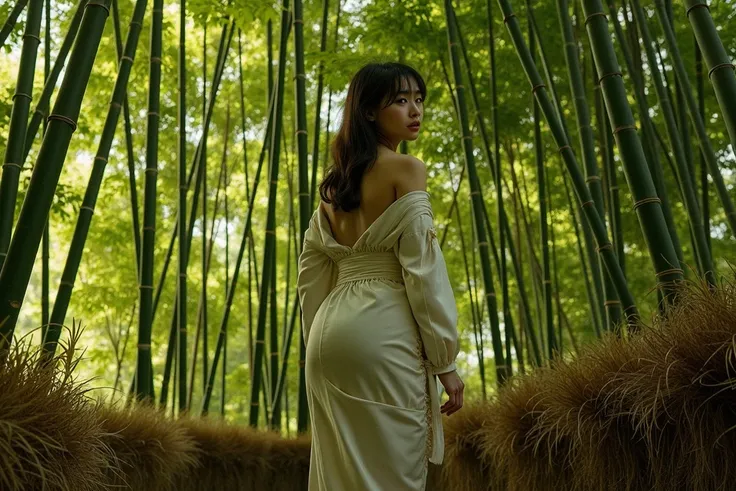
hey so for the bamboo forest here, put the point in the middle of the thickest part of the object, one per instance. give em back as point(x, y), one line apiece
point(161, 164)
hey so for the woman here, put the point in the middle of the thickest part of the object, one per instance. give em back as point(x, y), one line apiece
point(378, 312)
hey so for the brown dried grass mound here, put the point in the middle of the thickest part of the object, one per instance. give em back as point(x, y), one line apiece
point(461, 469)
point(654, 412)
point(243, 458)
point(685, 396)
point(150, 450)
point(49, 432)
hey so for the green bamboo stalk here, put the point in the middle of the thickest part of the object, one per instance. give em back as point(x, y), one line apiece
point(219, 64)
point(604, 245)
point(548, 323)
point(227, 286)
point(180, 306)
point(225, 40)
point(270, 238)
point(45, 245)
point(306, 195)
point(720, 67)
point(202, 319)
point(317, 118)
point(86, 211)
point(681, 166)
point(647, 204)
point(128, 144)
point(207, 249)
point(246, 239)
point(611, 303)
point(9, 24)
point(13, 161)
point(703, 164)
point(648, 129)
point(500, 211)
point(144, 378)
point(501, 369)
point(273, 418)
point(17, 269)
point(724, 82)
point(42, 106)
point(473, 297)
point(576, 227)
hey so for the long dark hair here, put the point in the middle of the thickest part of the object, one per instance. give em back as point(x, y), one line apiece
point(355, 147)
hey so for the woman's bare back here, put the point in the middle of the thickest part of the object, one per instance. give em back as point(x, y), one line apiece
point(392, 176)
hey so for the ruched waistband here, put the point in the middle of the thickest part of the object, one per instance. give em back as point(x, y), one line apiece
point(369, 266)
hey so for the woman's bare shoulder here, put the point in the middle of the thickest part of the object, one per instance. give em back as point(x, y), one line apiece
point(404, 172)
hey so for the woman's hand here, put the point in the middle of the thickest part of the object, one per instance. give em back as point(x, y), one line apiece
point(454, 387)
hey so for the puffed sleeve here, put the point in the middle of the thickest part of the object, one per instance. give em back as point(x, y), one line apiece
point(430, 293)
point(316, 278)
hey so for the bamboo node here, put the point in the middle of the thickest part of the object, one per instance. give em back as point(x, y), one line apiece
point(91, 210)
point(116, 105)
point(305, 194)
point(134, 23)
point(467, 137)
point(538, 86)
point(590, 179)
point(38, 111)
point(149, 287)
point(564, 147)
point(271, 232)
point(144, 346)
point(301, 132)
point(624, 127)
point(491, 294)
point(719, 66)
point(254, 404)
point(668, 271)
point(547, 282)
point(70, 284)
point(604, 247)
point(10, 164)
point(506, 18)
point(473, 193)
point(153, 113)
point(155, 171)
point(302, 76)
point(606, 75)
point(645, 201)
point(298, 21)
point(483, 243)
point(126, 58)
point(274, 353)
point(611, 302)
point(460, 86)
point(587, 203)
point(22, 94)
point(595, 14)
point(99, 157)
point(32, 37)
point(150, 228)
point(697, 5)
point(98, 4)
point(63, 119)
point(260, 341)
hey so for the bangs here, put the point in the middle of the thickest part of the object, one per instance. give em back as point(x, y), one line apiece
point(402, 79)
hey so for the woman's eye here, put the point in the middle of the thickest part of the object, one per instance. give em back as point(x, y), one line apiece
point(401, 100)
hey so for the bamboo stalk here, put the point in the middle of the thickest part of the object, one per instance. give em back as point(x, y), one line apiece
point(144, 378)
point(604, 245)
point(86, 211)
point(13, 161)
point(690, 199)
point(548, 323)
point(9, 24)
point(501, 368)
point(270, 237)
point(724, 83)
point(17, 269)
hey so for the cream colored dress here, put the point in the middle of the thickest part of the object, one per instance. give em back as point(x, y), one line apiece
point(379, 322)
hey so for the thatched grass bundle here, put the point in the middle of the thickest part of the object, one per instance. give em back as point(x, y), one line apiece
point(654, 412)
point(657, 411)
point(50, 437)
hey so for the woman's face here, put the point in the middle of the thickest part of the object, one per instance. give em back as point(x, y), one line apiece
point(401, 119)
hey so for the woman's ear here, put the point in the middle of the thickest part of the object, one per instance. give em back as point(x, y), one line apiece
point(371, 115)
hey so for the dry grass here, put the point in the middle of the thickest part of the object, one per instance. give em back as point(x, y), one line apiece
point(150, 449)
point(243, 458)
point(50, 437)
point(655, 412)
